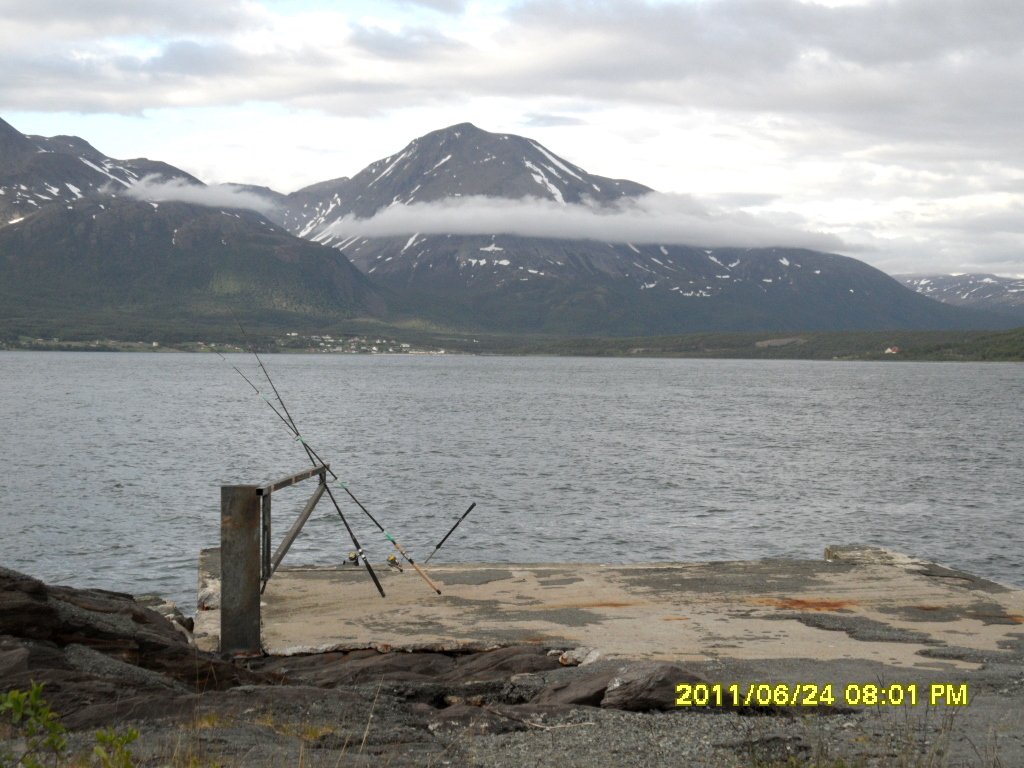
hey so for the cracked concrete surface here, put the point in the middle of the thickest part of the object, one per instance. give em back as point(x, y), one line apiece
point(857, 603)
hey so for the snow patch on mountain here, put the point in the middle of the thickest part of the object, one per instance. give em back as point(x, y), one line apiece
point(540, 178)
point(437, 165)
point(393, 163)
point(980, 291)
point(555, 161)
point(105, 172)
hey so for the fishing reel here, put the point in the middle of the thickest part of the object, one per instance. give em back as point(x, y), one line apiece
point(393, 563)
point(353, 558)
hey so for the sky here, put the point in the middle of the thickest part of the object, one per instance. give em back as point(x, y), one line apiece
point(888, 130)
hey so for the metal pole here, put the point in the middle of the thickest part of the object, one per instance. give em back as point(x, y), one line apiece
point(286, 543)
point(240, 568)
point(265, 569)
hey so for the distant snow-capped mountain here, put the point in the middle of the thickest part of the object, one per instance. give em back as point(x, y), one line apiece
point(76, 253)
point(37, 171)
point(75, 250)
point(551, 284)
point(459, 161)
point(977, 291)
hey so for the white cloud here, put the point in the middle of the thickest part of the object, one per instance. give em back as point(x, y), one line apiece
point(445, 6)
point(654, 218)
point(152, 189)
point(123, 17)
point(870, 112)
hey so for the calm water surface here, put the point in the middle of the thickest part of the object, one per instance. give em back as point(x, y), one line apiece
point(111, 463)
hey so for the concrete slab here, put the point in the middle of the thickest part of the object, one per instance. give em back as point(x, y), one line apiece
point(858, 603)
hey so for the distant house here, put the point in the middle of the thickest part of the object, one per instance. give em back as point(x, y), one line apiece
point(893, 350)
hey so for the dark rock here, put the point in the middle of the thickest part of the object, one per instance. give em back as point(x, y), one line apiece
point(91, 662)
point(495, 718)
point(467, 718)
point(23, 603)
point(108, 621)
point(13, 658)
point(304, 667)
point(645, 686)
point(369, 666)
point(332, 669)
point(168, 609)
point(581, 690)
point(310, 664)
point(115, 705)
point(395, 666)
point(100, 651)
point(292, 702)
point(635, 687)
point(502, 663)
point(21, 661)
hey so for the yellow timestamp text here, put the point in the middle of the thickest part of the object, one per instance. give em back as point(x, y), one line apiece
point(821, 695)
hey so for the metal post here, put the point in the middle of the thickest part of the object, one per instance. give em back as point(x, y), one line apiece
point(265, 569)
point(300, 521)
point(240, 558)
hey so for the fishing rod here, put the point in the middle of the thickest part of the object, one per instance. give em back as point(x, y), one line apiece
point(315, 458)
point(390, 538)
point(311, 452)
point(450, 532)
point(290, 425)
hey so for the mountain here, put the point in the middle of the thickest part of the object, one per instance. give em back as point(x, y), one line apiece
point(502, 282)
point(454, 162)
point(1004, 295)
point(114, 266)
point(37, 171)
point(79, 256)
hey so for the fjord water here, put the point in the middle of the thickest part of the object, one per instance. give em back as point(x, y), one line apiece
point(112, 462)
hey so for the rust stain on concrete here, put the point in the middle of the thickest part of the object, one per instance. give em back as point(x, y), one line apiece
point(812, 604)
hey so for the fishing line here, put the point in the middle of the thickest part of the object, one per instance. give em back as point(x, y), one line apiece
point(262, 396)
point(290, 424)
point(315, 458)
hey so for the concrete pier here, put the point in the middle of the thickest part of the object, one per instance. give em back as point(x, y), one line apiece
point(857, 603)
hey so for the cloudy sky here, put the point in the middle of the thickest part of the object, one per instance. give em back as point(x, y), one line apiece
point(892, 128)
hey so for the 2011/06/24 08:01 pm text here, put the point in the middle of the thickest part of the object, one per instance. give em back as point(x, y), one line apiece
point(820, 695)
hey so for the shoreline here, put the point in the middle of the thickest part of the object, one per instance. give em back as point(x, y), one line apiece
point(851, 346)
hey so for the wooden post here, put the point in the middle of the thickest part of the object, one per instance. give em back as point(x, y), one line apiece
point(240, 569)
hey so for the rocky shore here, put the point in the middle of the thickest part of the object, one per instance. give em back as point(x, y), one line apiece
point(107, 659)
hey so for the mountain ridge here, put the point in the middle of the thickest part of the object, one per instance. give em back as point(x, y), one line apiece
point(37, 171)
point(69, 227)
point(595, 286)
point(76, 249)
point(992, 293)
point(430, 168)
